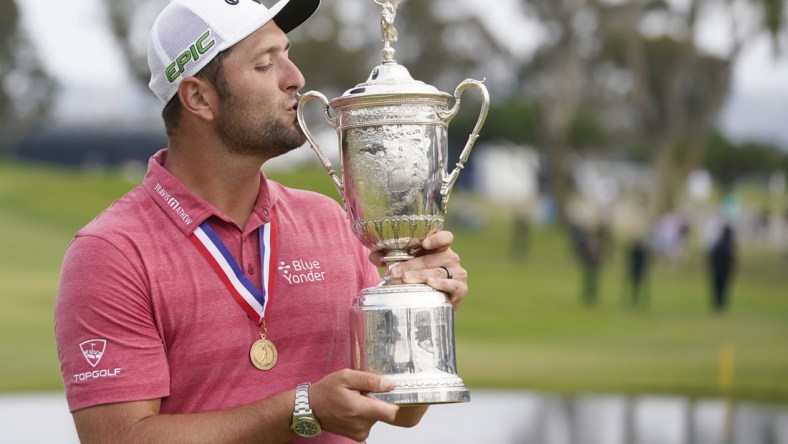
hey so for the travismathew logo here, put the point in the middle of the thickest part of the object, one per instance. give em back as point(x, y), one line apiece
point(93, 351)
point(174, 204)
point(301, 271)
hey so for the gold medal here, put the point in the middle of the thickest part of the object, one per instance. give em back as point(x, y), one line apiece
point(263, 354)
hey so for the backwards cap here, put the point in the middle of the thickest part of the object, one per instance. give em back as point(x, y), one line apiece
point(188, 34)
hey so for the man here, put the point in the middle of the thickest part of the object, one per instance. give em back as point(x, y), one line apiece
point(199, 307)
point(721, 260)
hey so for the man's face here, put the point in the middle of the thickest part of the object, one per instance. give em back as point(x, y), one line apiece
point(259, 115)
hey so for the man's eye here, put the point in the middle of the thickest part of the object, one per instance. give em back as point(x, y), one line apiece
point(264, 67)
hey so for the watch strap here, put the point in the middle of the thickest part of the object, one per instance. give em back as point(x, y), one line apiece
point(302, 400)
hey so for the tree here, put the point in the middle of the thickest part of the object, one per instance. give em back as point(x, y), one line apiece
point(563, 78)
point(25, 89)
point(640, 65)
point(678, 88)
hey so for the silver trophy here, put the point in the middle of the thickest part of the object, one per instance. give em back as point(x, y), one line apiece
point(395, 187)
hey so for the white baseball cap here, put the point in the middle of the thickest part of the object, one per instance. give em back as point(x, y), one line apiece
point(188, 34)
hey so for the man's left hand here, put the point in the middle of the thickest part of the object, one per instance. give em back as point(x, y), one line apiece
point(435, 264)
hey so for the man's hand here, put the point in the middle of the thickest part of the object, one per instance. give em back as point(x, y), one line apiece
point(428, 267)
point(339, 405)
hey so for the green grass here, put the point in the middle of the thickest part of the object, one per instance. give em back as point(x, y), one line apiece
point(522, 325)
point(40, 209)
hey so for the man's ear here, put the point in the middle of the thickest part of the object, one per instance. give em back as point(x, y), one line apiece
point(198, 97)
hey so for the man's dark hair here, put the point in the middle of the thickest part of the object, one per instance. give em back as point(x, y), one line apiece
point(212, 72)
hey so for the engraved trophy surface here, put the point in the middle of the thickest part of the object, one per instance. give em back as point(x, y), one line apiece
point(395, 186)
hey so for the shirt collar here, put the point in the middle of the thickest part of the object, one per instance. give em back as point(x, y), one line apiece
point(188, 211)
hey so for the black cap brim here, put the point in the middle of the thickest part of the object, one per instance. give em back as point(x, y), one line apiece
point(294, 13)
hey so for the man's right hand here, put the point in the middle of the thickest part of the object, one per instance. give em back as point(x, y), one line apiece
point(341, 408)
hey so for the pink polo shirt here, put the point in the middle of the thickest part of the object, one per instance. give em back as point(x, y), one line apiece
point(140, 314)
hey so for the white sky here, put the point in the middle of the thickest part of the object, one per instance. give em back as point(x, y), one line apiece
point(80, 52)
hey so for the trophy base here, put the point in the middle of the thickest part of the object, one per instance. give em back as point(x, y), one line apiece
point(424, 396)
point(406, 332)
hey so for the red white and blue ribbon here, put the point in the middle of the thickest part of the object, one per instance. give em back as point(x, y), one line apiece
point(252, 301)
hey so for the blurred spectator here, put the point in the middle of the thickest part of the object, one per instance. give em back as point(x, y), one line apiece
point(670, 237)
point(722, 264)
point(589, 245)
point(637, 268)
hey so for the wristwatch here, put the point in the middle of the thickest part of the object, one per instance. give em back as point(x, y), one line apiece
point(304, 421)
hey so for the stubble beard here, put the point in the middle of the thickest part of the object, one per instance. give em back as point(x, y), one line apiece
point(261, 133)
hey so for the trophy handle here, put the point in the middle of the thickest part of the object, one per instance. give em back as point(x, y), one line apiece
point(312, 143)
point(450, 179)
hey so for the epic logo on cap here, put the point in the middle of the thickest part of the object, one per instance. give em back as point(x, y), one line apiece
point(195, 51)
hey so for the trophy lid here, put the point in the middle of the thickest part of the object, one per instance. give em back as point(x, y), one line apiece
point(389, 78)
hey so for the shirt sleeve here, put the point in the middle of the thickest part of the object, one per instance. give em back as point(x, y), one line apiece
point(109, 347)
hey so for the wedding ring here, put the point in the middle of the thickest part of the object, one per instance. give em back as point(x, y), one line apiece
point(449, 274)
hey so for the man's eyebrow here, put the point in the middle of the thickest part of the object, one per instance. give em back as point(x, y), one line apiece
point(270, 50)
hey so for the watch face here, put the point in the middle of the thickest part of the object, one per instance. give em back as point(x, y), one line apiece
point(306, 427)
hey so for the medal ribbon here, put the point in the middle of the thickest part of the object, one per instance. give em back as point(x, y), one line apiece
point(243, 291)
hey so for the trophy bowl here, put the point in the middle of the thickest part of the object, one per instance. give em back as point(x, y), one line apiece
point(395, 185)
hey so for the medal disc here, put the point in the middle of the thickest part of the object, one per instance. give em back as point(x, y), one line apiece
point(263, 354)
